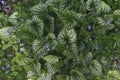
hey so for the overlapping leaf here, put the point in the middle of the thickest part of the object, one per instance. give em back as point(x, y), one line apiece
point(103, 7)
point(39, 25)
point(5, 33)
point(68, 17)
point(40, 9)
point(96, 68)
point(67, 36)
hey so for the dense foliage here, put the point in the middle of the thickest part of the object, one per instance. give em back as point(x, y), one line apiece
point(59, 40)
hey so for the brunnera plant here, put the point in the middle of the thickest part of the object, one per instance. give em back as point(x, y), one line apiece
point(60, 40)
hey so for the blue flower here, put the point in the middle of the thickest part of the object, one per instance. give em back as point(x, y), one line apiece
point(67, 46)
point(89, 27)
point(21, 19)
point(7, 33)
point(13, 0)
point(96, 47)
point(3, 68)
point(4, 59)
point(108, 22)
point(2, 2)
point(10, 55)
point(48, 49)
point(90, 39)
point(47, 46)
point(12, 28)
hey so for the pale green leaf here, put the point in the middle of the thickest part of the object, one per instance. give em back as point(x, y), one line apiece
point(71, 51)
point(67, 36)
point(45, 76)
point(115, 74)
point(69, 18)
point(103, 7)
point(77, 75)
point(96, 68)
point(39, 24)
point(51, 59)
point(14, 15)
point(116, 12)
point(40, 9)
point(5, 34)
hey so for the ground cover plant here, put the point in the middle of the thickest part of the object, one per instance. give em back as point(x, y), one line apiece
point(59, 39)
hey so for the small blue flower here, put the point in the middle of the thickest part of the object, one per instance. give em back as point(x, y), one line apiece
point(12, 28)
point(10, 55)
point(4, 59)
point(108, 22)
point(13, 0)
point(46, 45)
point(3, 3)
point(67, 46)
point(3, 68)
point(118, 63)
point(48, 49)
point(7, 33)
point(96, 47)
point(21, 19)
point(90, 39)
point(89, 27)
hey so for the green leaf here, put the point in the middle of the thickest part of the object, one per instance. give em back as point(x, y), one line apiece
point(86, 58)
point(71, 51)
point(37, 66)
point(89, 57)
point(67, 36)
point(39, 23)
point(51, 59)
point(110, 27)
point(76, 75)
point(62, 77)
point(50, 68)
point(51, 36)
point(30, 74)
point(0, 62)
point(15, 47)
point(49, 24)
point(101, 21)
point(5, 34)
point(5, 46)
point(45, 76)
point(69, 18)
point(40, 48)
point(91, 4)
point(96, 68)
point(117, 13)
point(14, 15)
point(115, 74)
point(102, 7)
point(13, 18)
point(40, 9)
